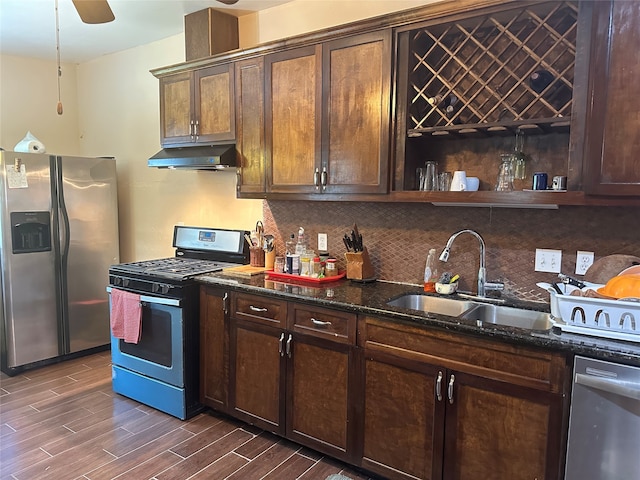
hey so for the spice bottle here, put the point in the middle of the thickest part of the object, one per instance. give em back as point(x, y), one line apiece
point(430, 272)
point(330, 269)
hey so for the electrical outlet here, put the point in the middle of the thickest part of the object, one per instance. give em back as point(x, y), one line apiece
point(548, 260)
point(322, 242)
point(583, 261)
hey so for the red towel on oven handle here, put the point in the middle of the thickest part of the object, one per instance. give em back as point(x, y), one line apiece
point(126, 315)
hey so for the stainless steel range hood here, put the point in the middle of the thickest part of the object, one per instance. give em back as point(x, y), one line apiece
point(206, 157)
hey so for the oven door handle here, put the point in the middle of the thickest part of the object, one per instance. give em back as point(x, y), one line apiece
point(171, 302)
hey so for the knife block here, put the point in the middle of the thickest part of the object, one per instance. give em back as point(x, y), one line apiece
point(359, 265)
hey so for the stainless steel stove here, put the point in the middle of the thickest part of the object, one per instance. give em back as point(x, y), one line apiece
point(161, 370)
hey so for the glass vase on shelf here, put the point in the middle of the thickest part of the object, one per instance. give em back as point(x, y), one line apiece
point(505, 174)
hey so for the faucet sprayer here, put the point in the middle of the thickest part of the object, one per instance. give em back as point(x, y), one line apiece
point(483, 285)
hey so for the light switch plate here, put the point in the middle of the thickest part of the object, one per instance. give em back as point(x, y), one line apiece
point(548, 260)
point(322, 242)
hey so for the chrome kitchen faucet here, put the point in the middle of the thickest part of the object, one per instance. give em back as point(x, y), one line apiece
point(483, 285)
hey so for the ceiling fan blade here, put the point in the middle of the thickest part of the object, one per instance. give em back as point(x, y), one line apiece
point(228, 2)
point(94, 11)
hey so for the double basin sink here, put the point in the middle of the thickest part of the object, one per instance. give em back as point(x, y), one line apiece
point(481, 313)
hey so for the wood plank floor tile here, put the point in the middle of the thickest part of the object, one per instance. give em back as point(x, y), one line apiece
point(201, 459)
point(266, 462)
point(258, 445)
point(201, 440)
point(201, 422)
point(222, 468)
point(151, 467)
point(132, 458)
point(290, 469)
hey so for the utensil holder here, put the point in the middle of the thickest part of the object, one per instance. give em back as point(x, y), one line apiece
point(256, 256)
point(359, 265)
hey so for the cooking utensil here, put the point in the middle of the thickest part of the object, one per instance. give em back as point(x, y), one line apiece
point(571, 281)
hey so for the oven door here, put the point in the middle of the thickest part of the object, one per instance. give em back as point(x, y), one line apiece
point(159, 353)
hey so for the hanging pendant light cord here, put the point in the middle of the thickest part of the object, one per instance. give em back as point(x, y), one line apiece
point(59, 107)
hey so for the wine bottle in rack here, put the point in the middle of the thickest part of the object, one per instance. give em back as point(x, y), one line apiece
point(558, 95)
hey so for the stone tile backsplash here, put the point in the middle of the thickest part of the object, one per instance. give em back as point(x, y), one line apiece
point(398, 237)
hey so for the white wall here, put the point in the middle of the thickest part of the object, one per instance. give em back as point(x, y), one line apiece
point(28, 100)
point(303, 16)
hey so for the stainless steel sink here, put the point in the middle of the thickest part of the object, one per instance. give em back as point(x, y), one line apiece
point(509, 316)
point(431, 304)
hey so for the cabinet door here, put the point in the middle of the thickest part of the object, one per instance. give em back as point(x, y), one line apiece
point(318, 399)
point(214, 104)
point(175, 109)
point(257, 375)
point(495, 431)
point(250, 125)
point(357, 78)
point(612, 140)
point(403, 418)
point(293, 84)
point(214, 338)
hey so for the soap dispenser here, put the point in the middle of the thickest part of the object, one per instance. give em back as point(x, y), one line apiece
point(431, 272)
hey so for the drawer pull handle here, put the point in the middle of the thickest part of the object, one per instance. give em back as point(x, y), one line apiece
point(319, 323)
point(281, 345)
point(450, 389)
point(289, 346)
point(439, 387)
point(257, 309)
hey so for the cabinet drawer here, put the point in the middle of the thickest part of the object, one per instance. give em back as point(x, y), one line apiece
point(514, 364)
point(260, 309)
point(323, 323)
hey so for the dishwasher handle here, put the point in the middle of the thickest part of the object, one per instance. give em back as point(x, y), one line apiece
point(617, 387)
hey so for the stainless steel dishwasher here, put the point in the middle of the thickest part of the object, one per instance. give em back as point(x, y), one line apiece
point(604, 424)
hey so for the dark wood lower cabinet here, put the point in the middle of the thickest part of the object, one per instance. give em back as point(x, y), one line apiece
point(402, 420)
point(403, 401)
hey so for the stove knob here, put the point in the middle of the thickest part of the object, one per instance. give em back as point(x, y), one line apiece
point(155, 287)
point(125, 282)
point(165, 289)
point(117, 281)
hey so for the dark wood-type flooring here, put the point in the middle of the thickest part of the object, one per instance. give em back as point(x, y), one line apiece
point(64, 422)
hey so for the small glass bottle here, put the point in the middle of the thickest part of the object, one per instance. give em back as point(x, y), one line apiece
point(290, 250)
point(430, 272)
point(316, 270)
point(331, 269)
point(301, 245)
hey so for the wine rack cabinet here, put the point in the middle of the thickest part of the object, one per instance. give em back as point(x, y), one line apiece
point(493, 73)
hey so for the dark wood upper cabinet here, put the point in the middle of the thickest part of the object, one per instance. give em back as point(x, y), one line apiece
point(327, 116)
point(250, 141)
point(197, 106)
point(612, 141)
point(293, 88)
point(356, 115)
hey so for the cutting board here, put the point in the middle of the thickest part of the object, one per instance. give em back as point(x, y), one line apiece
point(605, 268)
point(243, 270)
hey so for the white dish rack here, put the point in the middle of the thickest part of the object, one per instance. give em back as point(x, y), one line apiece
point(615, 319)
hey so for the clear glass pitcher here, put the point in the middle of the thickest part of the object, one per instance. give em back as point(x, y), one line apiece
point(505, 174)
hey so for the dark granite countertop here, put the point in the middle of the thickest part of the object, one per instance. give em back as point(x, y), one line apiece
point(371, 299)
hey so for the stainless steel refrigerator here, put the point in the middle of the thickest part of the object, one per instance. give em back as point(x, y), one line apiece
point(59, 235)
